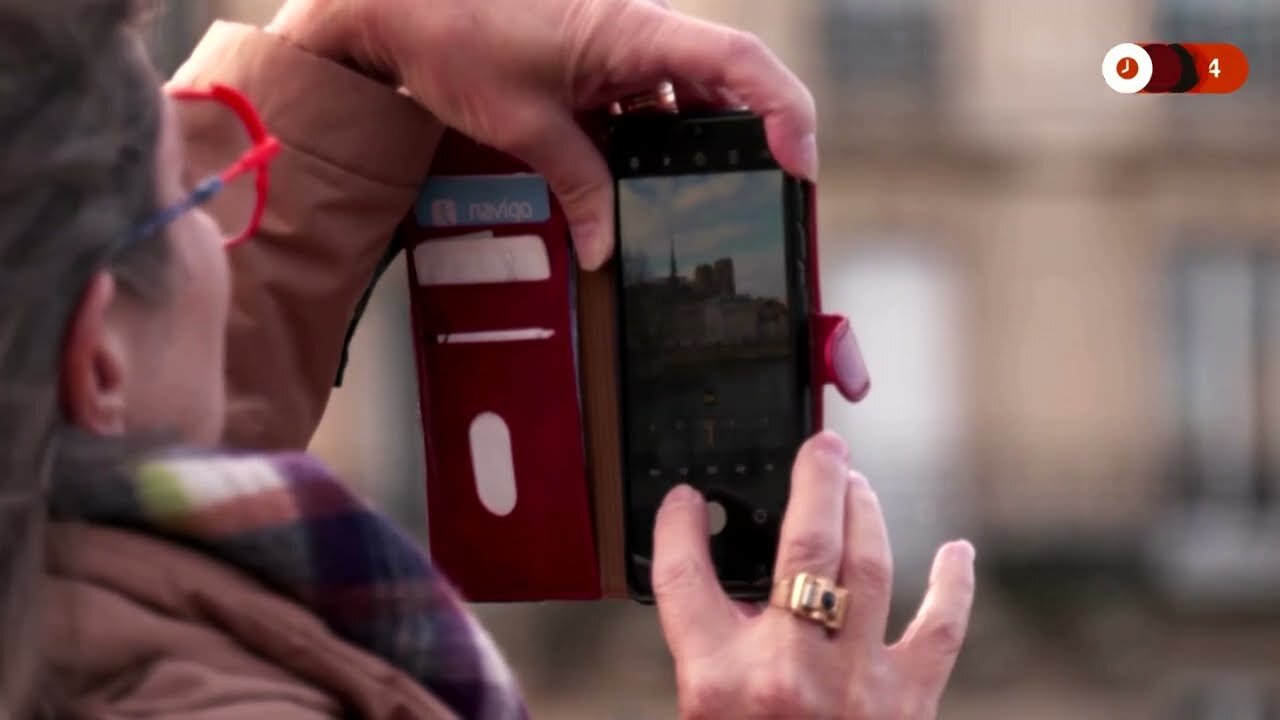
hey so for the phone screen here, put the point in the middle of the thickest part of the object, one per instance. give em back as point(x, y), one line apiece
point(711, 376)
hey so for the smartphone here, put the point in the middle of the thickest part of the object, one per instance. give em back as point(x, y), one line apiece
point(713, 322)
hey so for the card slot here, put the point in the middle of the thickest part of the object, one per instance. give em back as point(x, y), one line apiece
point(443, 309)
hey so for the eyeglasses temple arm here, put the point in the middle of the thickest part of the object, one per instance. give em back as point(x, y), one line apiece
point(200, 195)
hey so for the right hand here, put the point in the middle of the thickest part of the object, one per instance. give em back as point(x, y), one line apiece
point(737, 660)
point(513, 74)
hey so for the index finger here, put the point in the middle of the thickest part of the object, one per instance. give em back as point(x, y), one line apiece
point(645, 43)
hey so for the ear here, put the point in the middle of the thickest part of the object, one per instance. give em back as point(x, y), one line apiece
point(94, 362)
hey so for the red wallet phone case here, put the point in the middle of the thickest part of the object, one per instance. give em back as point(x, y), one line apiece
point(511, 513)
point(542, 546)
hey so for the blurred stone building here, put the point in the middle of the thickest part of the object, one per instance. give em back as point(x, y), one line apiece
point(1069, 301)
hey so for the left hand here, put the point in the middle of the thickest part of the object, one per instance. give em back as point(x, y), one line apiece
point(513, 74)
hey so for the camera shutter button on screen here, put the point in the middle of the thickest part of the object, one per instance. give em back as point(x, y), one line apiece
point(716, 517)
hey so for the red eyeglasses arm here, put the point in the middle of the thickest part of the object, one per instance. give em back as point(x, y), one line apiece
point(255, 160)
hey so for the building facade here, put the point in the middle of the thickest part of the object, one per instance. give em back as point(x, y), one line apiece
point(1070, 308)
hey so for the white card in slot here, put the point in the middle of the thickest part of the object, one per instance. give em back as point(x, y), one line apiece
point(481, 258)
point(495, 336)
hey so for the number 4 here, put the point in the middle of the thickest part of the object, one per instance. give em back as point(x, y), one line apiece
point(1214, 70)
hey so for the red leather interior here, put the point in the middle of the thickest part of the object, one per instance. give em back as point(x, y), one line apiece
point(544, 548)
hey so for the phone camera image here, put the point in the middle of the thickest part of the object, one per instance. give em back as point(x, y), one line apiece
point(711, 381)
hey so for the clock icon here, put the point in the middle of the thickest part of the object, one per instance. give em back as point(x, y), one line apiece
point(1127, 68)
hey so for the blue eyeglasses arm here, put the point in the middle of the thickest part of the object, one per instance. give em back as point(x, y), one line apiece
point(197, 197)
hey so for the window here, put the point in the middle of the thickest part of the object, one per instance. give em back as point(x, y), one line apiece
point(1251, 25)
point(1215, 550)
point(879, 57)
point(1226, 314)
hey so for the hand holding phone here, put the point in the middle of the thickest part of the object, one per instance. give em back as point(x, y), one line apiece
point(714, 325)
point(547, 506)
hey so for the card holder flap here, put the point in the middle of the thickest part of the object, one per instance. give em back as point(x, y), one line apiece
point(509, 509)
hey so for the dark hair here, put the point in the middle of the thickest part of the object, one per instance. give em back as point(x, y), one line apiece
point(79, 124)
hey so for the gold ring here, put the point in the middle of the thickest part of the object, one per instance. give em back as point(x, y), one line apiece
point(816, 599)
point(663, 99)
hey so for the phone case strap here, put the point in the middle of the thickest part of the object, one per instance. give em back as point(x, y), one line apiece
point(837, 359)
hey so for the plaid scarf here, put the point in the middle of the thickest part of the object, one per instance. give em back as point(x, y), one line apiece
point(285, 519)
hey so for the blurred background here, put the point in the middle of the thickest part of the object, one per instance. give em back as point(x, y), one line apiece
point(1069, 301)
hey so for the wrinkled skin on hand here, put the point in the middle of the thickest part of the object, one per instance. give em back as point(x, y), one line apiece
point(516, 74)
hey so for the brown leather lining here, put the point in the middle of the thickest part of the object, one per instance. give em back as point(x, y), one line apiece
point(598, 348)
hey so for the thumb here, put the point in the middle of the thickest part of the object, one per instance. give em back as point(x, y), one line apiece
point(563, 153)
point(694, 611)
point(933, 640)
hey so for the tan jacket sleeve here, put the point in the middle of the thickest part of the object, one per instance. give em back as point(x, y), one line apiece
point(138, 627)
point(354, 152)
point(167, 688)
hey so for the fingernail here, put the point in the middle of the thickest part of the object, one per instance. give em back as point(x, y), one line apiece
point(964, 549)
point(681, 494)
point(593, 249)
point(809, 157)
point(957, 555)
point(830, 443)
